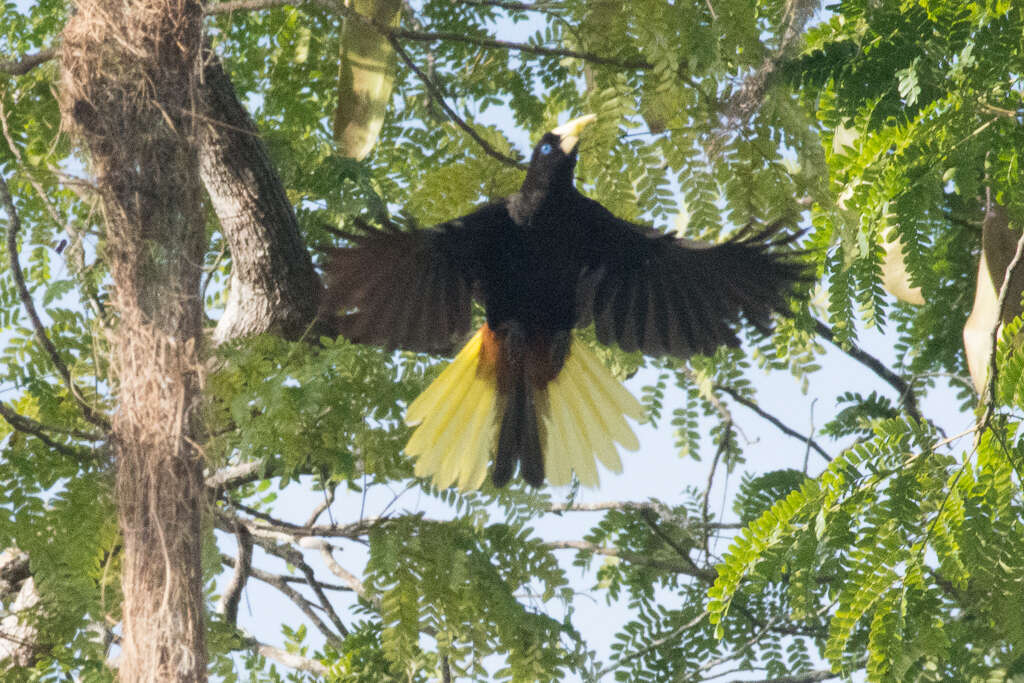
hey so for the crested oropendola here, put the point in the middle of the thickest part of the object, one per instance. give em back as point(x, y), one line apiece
point(542, 262)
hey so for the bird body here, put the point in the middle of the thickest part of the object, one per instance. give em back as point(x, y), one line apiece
point(542, 262)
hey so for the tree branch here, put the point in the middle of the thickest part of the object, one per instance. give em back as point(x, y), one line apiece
point(289, 659)
point(345, 575)
point(435, 92)
point(653, 645)
point(13, 228)
point(228, 523)
point(29, 426)
point(809, 677)
point(25, 63)
point(747, 403)
point(989, 397)
point(273, 579)
point(509, 5)
point(633, 558)
point(650, 518)
point(233, 476)
point(705, 516)
point(428, 36)
point(906, 393)
point(319, 509)
point(228, 606)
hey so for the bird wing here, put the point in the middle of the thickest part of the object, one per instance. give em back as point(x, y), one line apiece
point(411, 289)
point(661, 294)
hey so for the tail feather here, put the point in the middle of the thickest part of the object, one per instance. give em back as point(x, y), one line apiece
point(461, 402)
point(568, 426)
point(587, 418)
point(519, 437)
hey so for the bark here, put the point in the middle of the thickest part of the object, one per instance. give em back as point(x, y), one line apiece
point(19, 640)
point(130, 73)
point(274, 287)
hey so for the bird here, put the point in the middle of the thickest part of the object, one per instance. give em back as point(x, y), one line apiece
point(544, 262)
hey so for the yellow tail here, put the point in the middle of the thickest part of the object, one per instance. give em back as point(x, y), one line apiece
point(581, 413)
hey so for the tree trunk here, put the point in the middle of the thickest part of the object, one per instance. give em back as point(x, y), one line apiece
point(128, 90)
point(274, 287)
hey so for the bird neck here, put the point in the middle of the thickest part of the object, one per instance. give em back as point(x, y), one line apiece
point(530, 202)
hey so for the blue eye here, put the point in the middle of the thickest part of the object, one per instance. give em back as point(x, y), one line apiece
point(545, 148)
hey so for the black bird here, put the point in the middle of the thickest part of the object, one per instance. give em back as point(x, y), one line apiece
point(542, 262)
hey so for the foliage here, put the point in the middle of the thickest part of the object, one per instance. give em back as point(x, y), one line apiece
point(902, 558)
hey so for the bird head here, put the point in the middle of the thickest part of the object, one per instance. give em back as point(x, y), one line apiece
point(554, 157)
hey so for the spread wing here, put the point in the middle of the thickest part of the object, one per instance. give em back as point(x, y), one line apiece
point(411, 289)
point(647, 290)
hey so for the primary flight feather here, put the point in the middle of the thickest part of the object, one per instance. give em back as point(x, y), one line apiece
point(542, 262)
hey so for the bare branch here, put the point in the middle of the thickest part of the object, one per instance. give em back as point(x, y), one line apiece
point(903, 388)
point(653, 645)
point(319, 509)
point(345, 575)
point(809, 677)
point(428, 36)
point(438, 96)
point(633, 558)
point(13, 228)
point(663, 510)
point(650, 518)
point(289, 659)
point(705, 515)
point(512, 6)
point(25, 63)
point(27, 425)
point(989, 397)
point(228, 606)
point(273, 579)
point(747, 403)
point(234, 476)
point(227, 522)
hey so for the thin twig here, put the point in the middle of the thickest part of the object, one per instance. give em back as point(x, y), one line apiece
point(809, 677)
point(357, 586)
point(438, 96)
point(319, 509)
point(429, 36)
point(73, 234)
point(294, 557)
point(903, 388)
point(704, 514)
point(13, 228)
point(788, 431)
point(765, 628)
point(509, 5)
point(690, 569)
point(650, 518)
point(272, 579)
point(658, 507)
point(289, 659)
point(653, 645)
point(227, 522)
point(311, 581)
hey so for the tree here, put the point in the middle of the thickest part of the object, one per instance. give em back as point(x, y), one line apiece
point(893, 126)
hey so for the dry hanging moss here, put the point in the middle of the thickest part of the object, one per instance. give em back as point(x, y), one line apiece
point(128, 88)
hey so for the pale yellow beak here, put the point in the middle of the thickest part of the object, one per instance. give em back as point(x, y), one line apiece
point(569, 133)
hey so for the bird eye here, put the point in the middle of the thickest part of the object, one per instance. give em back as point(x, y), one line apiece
point(545, 148)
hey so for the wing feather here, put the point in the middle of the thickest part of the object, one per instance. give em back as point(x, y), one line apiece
point(664, 295)
point(408, 288)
